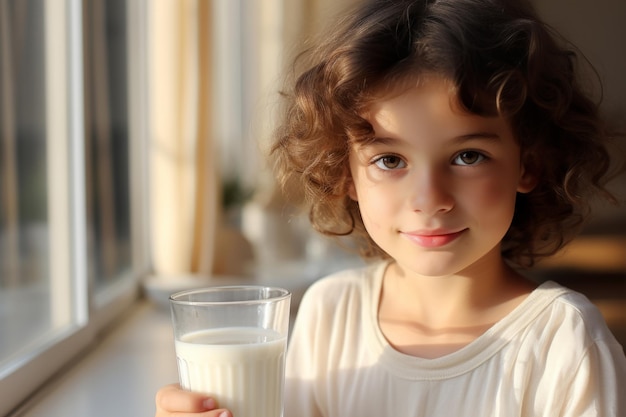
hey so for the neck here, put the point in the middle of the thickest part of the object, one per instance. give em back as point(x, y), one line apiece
point(475, 296)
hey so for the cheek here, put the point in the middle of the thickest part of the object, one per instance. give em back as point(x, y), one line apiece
point(375, 207)
point(496, 193)
point(370, 212)
point(497, 198)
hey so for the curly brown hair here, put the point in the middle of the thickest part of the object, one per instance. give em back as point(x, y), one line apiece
point(500, 58)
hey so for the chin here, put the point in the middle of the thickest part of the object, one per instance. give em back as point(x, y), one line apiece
point(437, 266)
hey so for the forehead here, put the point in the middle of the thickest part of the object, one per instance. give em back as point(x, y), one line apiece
point(411, 95)
point(431, 109)
point(390, 90)
point(476, 100)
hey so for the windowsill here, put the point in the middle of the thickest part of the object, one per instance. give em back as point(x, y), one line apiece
point(120, 375)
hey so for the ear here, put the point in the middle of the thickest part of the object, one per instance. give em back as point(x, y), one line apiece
point(528, 180)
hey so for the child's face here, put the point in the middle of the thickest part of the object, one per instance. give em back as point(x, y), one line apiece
point(437, 188)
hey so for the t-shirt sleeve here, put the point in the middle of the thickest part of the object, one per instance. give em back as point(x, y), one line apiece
point(598, 385)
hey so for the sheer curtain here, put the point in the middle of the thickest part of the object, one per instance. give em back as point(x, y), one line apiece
point(184, 186)
point(214, 73)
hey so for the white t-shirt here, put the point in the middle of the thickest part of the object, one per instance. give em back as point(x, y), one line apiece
point(551, 356)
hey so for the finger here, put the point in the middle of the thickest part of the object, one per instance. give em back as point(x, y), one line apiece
point(212, 413)
point(219, 413)
point(172, 398)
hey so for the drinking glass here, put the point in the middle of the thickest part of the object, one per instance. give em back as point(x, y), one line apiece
point(230, 343)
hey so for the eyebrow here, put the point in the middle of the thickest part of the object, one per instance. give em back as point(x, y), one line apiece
point(385, 140)
point(490, 136)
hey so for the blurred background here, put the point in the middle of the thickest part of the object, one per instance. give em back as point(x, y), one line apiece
point(132, 143)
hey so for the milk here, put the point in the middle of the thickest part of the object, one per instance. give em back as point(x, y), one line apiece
point(242, 368)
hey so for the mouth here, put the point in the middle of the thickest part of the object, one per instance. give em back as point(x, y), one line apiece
point(433, 238)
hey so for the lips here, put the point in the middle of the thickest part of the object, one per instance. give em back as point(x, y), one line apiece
point(433, 238)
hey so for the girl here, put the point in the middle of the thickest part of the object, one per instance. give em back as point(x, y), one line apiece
point(451, 138)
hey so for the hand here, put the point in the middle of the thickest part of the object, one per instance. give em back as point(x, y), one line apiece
point(172, 401)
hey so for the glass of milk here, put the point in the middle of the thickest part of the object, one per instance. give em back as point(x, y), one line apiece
point(231, 343)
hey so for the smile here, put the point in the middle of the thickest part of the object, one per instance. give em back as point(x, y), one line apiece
point(433, 239)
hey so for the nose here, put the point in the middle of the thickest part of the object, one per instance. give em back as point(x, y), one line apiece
point(431, 192)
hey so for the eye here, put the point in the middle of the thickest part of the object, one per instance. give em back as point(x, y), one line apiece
point(469, 158)
point(389, 162)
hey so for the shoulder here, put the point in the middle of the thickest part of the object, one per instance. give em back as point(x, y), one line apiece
point(573, 308)
point(336, 293)
point(567, 350)
point(564, 326)
point(340, 284)
point(328, 312)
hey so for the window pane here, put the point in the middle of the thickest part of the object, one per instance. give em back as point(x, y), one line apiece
point(107, 145)
point(28, 300)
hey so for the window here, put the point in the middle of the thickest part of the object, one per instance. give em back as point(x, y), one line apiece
point(71, 235)
point(25, 307)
